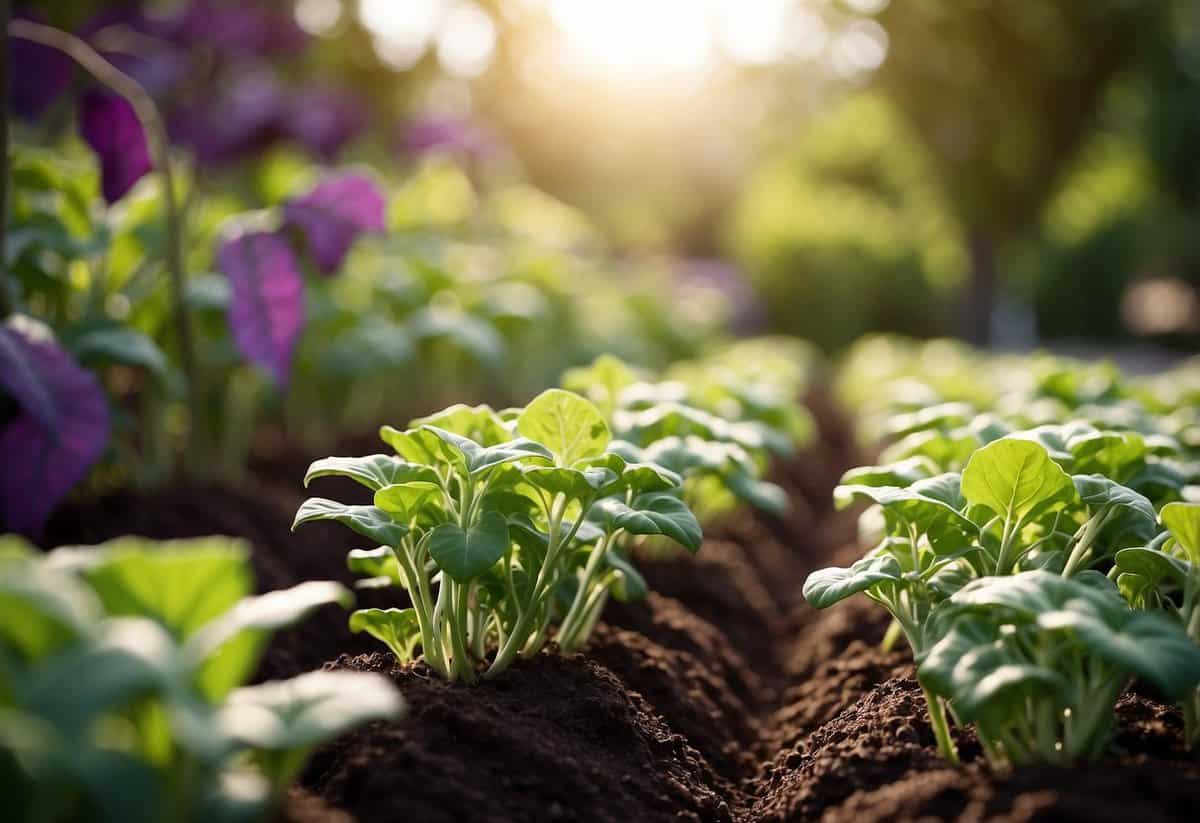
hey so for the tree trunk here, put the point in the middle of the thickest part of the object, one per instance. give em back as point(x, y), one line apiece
point(979, 302)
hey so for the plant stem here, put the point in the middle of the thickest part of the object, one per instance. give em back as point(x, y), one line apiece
point(941, 728)
point(1090, 531)
point(568, 631)
point(159, 145)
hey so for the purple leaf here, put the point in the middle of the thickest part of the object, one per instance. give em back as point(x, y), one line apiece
point(59, 432)
point(323, 120)
point(242, 117)
point(236, 27)
point(333, 214)
point(108, 124)
point(266, 309)
point(39, 74)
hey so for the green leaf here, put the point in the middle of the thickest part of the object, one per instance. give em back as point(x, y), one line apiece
point(397, 629)
point(1183, 521)
point(982, 678)
point(1147, 644)
point(571, 427)
point(630, 586)
point(43, 610)
point(1024, 597)
point(375, 563)
point(477, 458)
point(182, 584)
point(369, 521)
point(478, 423)
point(420, 446)
point(373, 471)
point(465, 555)
point(1098, 492)
point(601, 382)
point(111, 343)
point(825, 587)
point(900, 474)
point(575, 484)
point(653, 514)
point(404, 500)
point(1015, 479)
point(283, 720)
point(227, 649)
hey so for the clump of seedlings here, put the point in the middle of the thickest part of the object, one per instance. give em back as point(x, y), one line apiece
point(501, 526)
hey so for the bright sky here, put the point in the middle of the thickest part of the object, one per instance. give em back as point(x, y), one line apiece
point(635, 39)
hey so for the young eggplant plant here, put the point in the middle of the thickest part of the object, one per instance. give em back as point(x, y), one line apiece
point(1037, 661)
point(1165, 576)
point(121, 672)
point(497, 525)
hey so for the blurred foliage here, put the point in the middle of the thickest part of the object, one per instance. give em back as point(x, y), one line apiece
point(847, 231)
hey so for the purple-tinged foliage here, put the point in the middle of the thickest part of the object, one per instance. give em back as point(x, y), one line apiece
point(333, 214)
point(108, 124)
point(236, 28)
point(266, 309)
point(446, 135)
point(242, 118)
point(38, 76)
point(60, 430)
point(324, 119)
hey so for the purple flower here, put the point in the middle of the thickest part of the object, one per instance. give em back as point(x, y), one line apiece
point(324, 119)
point(446, 135)
point(38, 74)
point(60, 430)
point(108, 124)
point(266, 309)
point(334, 214)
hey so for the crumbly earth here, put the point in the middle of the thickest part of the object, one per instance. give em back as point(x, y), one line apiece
point(721, 697)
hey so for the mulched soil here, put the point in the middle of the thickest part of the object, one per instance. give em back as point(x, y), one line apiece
point(721, 697)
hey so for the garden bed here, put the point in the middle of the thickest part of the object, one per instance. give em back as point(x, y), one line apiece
point(722, 696)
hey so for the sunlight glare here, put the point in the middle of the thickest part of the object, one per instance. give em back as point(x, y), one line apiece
point(664, 36)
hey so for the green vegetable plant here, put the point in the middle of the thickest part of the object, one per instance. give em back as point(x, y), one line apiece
point(1165, 576)
point(500, 525)
point(1037, 661)
point(121, 684)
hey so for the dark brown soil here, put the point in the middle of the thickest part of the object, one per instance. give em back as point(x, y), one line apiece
point(557, 738)
point(722, 696)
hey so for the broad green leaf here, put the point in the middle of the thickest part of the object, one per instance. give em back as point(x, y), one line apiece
point(476, 458)
point(942, 416)
point(1099, 492)
point(934, 505)
point(653, 514)
point(404, 500)
point(982, 679)
point(397, 629)
point(373, 471)
point(478, 423)
point(290, 717)
point(369, 521)
point(465, 555)
point(1014, 478)
point(183, 584)
point(642, 478)
point(1183, 521)
point(1026, 596)
point(123, 345)
point(825, 587)
point(420, 446)
point(227, 649)
point(602, 382)
point(573, 483)
point(570, 426)
point(129, 658)
point(43, 610)
point(1147, 644)
point(900, 474)
point(760, 494)
point(375, 563)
